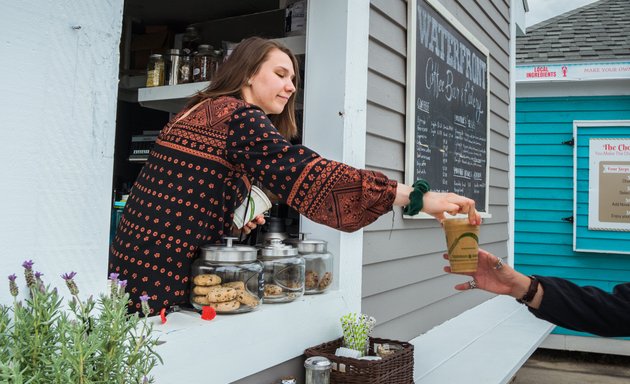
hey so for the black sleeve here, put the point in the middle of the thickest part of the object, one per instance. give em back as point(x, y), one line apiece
point(585, 309)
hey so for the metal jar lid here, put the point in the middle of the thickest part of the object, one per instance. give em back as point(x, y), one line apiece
point(308, 245)
point(317, 363)
point(276, 248)
point(228, 252)
point(205, 48)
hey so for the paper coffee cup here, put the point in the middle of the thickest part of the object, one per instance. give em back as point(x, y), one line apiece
point(462, 242)
point(257, 204)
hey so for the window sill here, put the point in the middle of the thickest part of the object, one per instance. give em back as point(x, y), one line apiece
point(231, 347)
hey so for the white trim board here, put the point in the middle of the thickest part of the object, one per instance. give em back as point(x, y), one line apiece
point(619, 87)
point(484, 345)
point(605, 345)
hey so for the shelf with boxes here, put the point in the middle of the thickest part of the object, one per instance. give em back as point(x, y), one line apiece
point(172, 98)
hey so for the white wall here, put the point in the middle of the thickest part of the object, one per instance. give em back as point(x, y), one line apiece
point(58, 76)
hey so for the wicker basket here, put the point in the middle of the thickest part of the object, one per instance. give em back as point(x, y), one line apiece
point(393, 369)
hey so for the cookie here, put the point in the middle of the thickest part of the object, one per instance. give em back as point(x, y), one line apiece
point(202, 290)
point(207, 279)
point(227, 306)
point(221, 294)
point(247, 298)
point(201, 300)
point(238, 285)
point(325, 281)
point(272, 290)
point(311, 280)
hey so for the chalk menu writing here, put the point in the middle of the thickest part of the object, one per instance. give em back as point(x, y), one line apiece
point(614, 192)
point(451, 109)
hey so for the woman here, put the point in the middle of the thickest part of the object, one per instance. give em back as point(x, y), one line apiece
point(585, 309)
point(206, 158)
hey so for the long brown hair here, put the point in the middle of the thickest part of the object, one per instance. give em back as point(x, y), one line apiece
point(243, 63)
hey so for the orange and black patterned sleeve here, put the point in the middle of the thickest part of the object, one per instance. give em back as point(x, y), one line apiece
point(325, 191)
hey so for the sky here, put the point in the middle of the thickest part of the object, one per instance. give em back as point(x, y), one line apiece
point(540, 10)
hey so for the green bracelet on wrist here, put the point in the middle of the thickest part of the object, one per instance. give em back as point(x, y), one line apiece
point(420, 187)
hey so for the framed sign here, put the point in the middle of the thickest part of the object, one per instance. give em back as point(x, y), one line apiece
point(601, 186)
point(447, 105)
point(609, 184)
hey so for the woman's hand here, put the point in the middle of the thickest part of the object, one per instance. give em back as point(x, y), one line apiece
point(250, 226)
point(494, 276)
point(436, 203)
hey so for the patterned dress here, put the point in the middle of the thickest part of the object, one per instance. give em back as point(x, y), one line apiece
point(201, 169)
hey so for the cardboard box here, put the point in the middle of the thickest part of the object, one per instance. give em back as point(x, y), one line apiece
point(156, 39)
point(269, 24)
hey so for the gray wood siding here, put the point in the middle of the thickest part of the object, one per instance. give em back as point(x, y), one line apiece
point(404, 285)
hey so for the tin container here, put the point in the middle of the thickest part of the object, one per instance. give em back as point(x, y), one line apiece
point(173, 65)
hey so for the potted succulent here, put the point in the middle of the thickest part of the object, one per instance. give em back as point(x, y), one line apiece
point(43, 340)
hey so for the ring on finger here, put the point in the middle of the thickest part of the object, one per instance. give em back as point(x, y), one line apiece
point(472, 284)
point(499, 264)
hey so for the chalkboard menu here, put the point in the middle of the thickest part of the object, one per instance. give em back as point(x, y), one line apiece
point(447, 139)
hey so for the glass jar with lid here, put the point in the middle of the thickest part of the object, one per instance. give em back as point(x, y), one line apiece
point(283, 272)
point(190, 40)
point(155, 70)
point(318, 263)
point(227, 277)
point(203, 63)
point(185, 70)
point(217, 59)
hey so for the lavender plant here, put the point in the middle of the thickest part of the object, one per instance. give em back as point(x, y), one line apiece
point(90, 341)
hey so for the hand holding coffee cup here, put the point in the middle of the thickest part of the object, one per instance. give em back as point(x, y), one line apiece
point(249, 213)
point(462, 243)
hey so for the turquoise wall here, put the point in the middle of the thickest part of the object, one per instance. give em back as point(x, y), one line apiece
point(543, 242)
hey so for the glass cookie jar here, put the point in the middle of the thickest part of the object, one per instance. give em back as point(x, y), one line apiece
point(318, 263)
point(228, 278)
point(283, 272)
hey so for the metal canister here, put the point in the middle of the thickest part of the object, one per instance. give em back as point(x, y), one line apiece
point(173, 66)
point(317, 370)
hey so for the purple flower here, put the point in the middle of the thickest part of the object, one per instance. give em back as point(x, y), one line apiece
point(72, 286)
point(38, 275)
point(28, 264)
point(69, 276)
point(113, 276)
point(144, 302)
point(28, 273)
point(122, 284)
point(12, 286)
